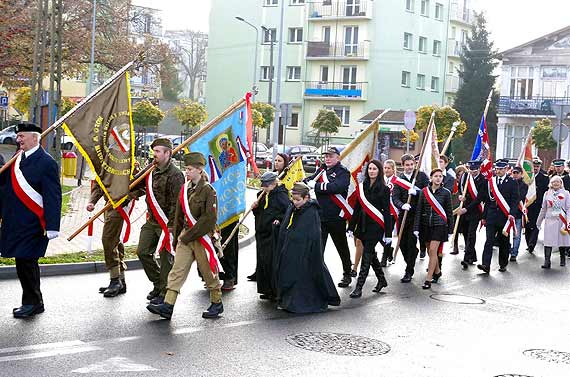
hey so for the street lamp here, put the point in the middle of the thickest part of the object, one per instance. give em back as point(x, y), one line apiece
point(253, 86)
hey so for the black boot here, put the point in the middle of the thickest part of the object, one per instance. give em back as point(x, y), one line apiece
point(455, 249)
point(124, 289)
point(164, 310)
point(345, 281)
point(364, 268)
point(547, 254)
point(214, 310)
point(114, 288)
point(386, 256)
point(377, 267)
point(103, 289)
point(357, 292)
point(563, 252)
point(152, 294)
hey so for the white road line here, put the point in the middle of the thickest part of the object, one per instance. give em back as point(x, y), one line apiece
point(34, 347)
point(55, 352)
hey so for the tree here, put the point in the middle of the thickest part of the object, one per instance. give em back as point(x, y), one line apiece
point(257, 118)
point(542, 135)
point(145, 114)
point(191, 114)
point(190, 53)
point(414, 136)
point(268, 113)
point(444, 119)
point(479, 60)
point(170, 82)
point(327, 122)
point(66, 105)
point(22, 100)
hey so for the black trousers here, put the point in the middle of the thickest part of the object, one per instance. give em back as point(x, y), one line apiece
point(470, 236)
point(337, 230)
point(531, 235)
point(28, 271)
point(369, 258)
point(230, 260)
point(495, 231)
point(408, 244)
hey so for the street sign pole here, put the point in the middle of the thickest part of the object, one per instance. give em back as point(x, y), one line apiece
point(560, 110)
point(409, 123)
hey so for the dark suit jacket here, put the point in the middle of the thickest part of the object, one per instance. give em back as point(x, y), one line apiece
point(509, 189)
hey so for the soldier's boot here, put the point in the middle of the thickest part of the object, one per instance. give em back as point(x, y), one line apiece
point(103, 289)
point(214, 310)
point(563, 253)
point(345, 281)
point(123, 290)
point(164, 310)
point(547, 254)
point(114, 288)
point(455, 249)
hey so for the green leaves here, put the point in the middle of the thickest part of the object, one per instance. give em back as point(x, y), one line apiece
point(190, 114)
point(327, 122)
point(145, 114)
point(542, 135)
point(267, 112)
point(444, 119)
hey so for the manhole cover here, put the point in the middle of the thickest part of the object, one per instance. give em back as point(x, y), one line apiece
point(338, 344)
point(549, 355)
point(457, 299)
point(512, 375)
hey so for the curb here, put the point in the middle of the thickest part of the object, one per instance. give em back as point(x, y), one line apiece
point(61, 269)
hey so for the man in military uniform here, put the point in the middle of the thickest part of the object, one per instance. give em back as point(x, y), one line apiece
point(31, 184)
point(541, 182)
point(333, 182)
point(195, 223)
point(162, 189)
point(503, 189)
point(402, 188)
point(472, 209)
point(559, 170)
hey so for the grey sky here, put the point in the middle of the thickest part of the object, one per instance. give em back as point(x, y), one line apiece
point(511, 22)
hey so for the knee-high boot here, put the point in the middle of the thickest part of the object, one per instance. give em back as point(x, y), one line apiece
point(362, 275)
point(563, 252)
point(547, 254)
point(377, 267)
point(386, 256)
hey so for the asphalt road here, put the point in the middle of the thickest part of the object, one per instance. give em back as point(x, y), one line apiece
point(81, 332)
point(7, 151)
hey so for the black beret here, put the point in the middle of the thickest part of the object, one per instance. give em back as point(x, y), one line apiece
point(28, 127)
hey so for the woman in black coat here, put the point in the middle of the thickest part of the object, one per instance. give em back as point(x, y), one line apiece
point(371, 223)
point(434, 222)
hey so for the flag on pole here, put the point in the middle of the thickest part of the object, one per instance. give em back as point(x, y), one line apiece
point(430, 158)
point(103, 132)
point(525, 160)
point(482, 150)
point(295, 174)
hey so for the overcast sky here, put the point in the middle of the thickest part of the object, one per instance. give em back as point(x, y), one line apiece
point(511, 22)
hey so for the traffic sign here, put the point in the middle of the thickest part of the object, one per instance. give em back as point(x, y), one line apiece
point(559, 132)
point(410, 119)
point(4, 102)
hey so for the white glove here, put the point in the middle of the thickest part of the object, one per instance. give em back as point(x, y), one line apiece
point(387, 240)
point(350, 234)
point(311, 184)
point(412, 191)
point(406, 207)
point(51, 234)
point(417, 234)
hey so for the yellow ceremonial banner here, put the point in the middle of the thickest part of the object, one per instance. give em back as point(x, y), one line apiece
point(295, 174)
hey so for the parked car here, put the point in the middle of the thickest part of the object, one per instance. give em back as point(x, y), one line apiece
point(176, 141)
point(143, 142)
point(309, 155)
point(8, 135)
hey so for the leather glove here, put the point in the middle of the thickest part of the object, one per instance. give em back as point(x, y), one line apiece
point(311, 184)
point(51, 234)
point(417, 234)
point(406, 207)
point(412, 191)
point(387, 240)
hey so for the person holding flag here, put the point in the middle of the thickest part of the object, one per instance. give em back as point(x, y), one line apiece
point(520, 215)
point(389, 177)
point(533, 203)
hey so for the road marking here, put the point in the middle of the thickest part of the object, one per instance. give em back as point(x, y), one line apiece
point(34, 347)
point(55, 352)
point(115, 365)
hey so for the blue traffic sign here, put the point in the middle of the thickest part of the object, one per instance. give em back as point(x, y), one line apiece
point(4, 102)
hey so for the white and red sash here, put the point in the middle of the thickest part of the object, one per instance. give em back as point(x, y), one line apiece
point(393, 209)
point(32, 199)
point(504, 206)
point(562, 216)
point(165, 240)
point(435, 205)
point(205, 240)
point(472, 189)
point(369, 208)
point(345, 208)
point(401, 182)
point(126, 213)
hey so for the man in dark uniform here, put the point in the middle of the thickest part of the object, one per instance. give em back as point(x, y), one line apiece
point(230, 259)
point(494, 219)
point(167, 180)
point(338, 178)
point(559, 170)
point(517, 174)
point(472, 210)
point(31, 212)
point(541, 182)
point(400, 199)
point(191, 239)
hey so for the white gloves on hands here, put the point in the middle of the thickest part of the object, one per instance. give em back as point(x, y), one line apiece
point(412, 191)
point(311, 184)
point(349, 233)
point(417, 234)
point(406, 207)
point(51, 234)
point(387, 240)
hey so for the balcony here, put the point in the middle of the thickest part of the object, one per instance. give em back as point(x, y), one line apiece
point(327, 10)
point(534, 105)
point(460, 14)
point(341, 51)
point(452, 83)
point(335, 90)
point(454, 48)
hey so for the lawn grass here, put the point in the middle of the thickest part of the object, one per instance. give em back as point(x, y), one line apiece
point(65, 200)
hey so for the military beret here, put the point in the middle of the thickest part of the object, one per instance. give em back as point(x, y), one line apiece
point(162, 142)
point(474, 164)
point(28, 127)
point(558, 162)
point(194, 159)
point(332, 150)
point(268, 178)
point(300, 188)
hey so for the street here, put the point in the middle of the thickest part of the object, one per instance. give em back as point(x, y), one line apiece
point(407, 332)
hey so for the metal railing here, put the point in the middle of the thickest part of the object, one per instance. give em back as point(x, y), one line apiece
point(452, 83)
point(335, 89)
point(454, 48)
point(336, 50)
point(332, 8)
point(530, 105)
point(461, 14)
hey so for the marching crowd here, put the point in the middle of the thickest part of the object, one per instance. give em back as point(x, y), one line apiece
point(407, 211)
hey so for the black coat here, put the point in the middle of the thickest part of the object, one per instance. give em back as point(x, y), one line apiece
point(426, 217)
point(509, 189)
point(304, 284)
point(523, 189)
point(541, 181)
point(339, 180)
point(448, 181)
point(363, 226)
point(472, 205)
point(400, 195)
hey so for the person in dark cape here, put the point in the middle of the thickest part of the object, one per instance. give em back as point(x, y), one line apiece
point(269, 209)
point(304, 284)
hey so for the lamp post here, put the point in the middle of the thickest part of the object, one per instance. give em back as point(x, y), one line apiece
point(278, 86)
point(253, 86)
point(271, 72)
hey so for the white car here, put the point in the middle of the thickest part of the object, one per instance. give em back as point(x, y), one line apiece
point(8, 135)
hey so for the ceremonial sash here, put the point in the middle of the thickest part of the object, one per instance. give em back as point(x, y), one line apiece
point(402, 183)
point(345, 208)
point(504, 206)
point(125, 213)
point(472, 189)
point(370, 210)
point(524, 211)
point(165, 240)
point(435, 205)
point(561, 216)
point(393, 209)
point(32, 199)
point(205, 240)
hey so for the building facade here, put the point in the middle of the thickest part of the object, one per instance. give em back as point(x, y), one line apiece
point(535, 78)
point(350, 56)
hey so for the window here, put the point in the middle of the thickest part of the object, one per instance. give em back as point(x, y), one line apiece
point(421, 79)
point(265, 69)
point(406, 77)
point(451, 68)
point(294, 120)
point(453, 32)
point(343, 112)
point(295, 35)
point(425, 8)
point(270, 35)
point(270, 3)
point(434, 84)
point(293, 73)
point(437, 48)
point(439, 11)
point(522, 82)
point(327, 34)
point(515, 136)
point(324, 73)
point(350, 40)
point(422, 47)
point(353, 8)
point(410, 5)
point(297, 2)
point(407, 41)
